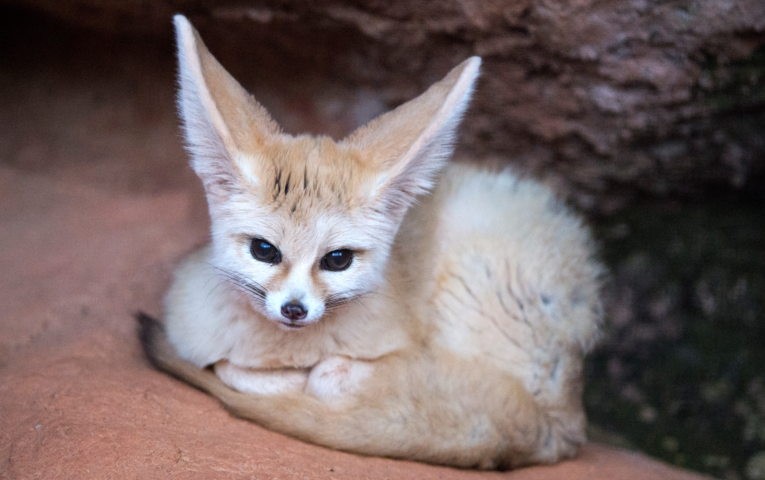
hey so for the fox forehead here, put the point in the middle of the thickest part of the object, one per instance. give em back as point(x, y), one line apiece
point(302, 175)
point(304, 194)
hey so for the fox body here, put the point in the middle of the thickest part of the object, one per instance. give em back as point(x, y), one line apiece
point(331, 306)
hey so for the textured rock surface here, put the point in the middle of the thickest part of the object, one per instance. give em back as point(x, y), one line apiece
point(609, 99)
point(680, 373)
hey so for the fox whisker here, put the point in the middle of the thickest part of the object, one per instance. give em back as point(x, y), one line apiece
point(337, 300)
point(242, 283)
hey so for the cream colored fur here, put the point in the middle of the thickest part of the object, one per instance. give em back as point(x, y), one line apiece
point(458, 332)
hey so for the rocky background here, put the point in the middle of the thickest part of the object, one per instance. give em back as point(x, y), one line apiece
point(610, 99)
point(649, 116)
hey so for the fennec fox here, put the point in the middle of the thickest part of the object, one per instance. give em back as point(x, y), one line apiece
point(332, 307)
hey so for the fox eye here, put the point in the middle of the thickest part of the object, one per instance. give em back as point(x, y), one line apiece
point(263, 251)
point(337, 261)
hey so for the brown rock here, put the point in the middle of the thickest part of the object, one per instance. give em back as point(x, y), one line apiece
point(607, 99)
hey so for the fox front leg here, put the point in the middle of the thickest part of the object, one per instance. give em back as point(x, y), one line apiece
point(336, 378)
point(261, 381)
point(330, 380)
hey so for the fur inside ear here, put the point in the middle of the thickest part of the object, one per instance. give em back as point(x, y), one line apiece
point(410, 144)
point(220, 119)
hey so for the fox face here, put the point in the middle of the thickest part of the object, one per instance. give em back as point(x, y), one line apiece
point(304, 225)
point(301, 233)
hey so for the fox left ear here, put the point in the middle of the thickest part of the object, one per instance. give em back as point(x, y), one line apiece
point(220, 119)
point(410, 144)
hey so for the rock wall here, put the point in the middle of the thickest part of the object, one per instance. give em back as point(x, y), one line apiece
point(606, 99)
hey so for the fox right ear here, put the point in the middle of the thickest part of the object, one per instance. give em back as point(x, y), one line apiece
point(220, 119)
point(410, 144)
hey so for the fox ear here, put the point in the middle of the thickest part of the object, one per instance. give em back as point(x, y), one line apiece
point(220, 119)
point(410, 144)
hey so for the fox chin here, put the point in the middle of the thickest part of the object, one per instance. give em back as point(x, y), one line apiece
point(371, 296)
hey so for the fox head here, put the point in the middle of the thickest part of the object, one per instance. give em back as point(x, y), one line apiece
point(303, 225)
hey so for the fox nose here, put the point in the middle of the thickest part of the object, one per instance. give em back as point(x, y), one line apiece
point(294, 311)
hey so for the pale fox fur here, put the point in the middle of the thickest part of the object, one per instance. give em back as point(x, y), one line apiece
point(456, 335)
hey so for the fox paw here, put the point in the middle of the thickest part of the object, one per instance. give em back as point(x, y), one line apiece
point(337, 377)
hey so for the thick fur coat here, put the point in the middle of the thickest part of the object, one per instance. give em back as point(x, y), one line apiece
point(366, 296)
